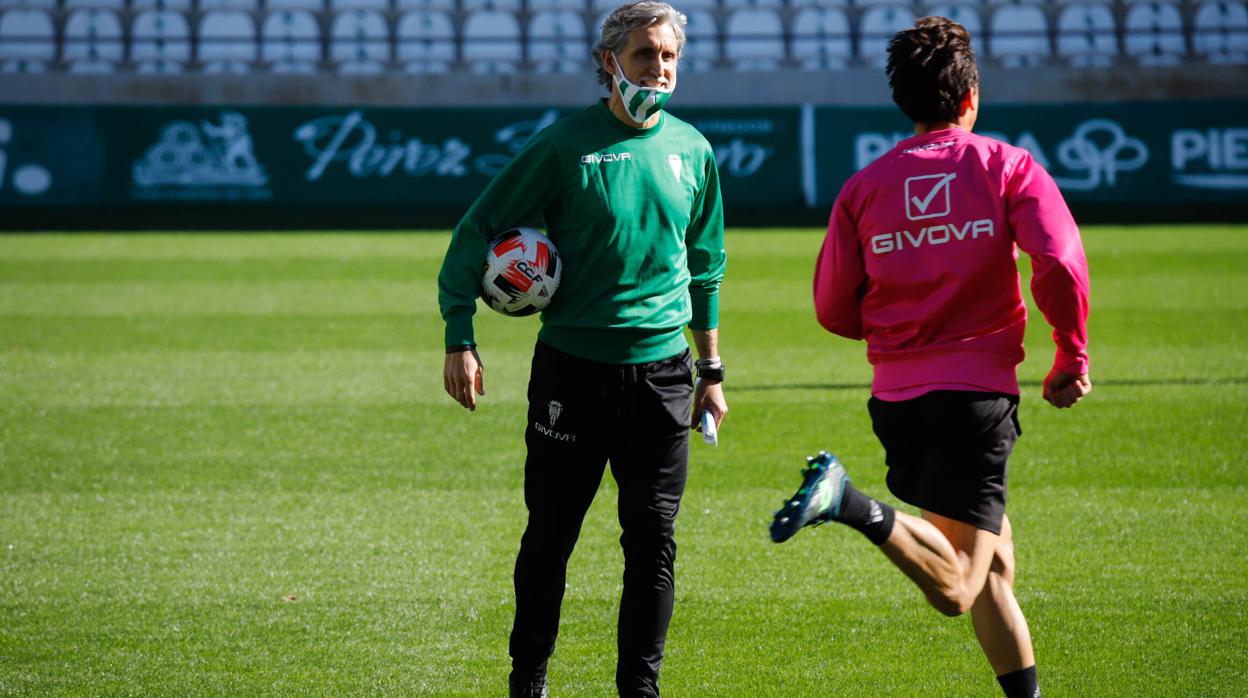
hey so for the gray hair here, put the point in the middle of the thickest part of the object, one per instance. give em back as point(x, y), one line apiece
point(627, 19)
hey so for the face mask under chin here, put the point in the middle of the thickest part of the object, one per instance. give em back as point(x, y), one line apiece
point(639, 102)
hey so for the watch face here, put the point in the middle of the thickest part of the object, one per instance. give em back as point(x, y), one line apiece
point(711, 374)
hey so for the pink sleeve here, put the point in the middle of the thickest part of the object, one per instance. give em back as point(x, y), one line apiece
point(1045, 231)
point(839, 276)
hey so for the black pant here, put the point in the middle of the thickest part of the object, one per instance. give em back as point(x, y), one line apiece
point(583, 414)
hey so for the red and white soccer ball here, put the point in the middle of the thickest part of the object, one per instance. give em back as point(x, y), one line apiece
point(522, 272)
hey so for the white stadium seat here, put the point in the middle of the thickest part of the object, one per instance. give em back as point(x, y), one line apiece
point(440, 5)
point(558, 42)
point(160, 41)
point(1220, 31)
point(159, 67)
point(341, 5)
point(90, 67)
point(244, 5)
point(701, 42)
point(821, 39)
point(799, 4)
point(227, 42)
point(290, 41)
point(161, 5)
point(512, 6)
point(93, 41)
point(574, 5)
point(1086, 35)
point(755, 4)
point(27, 41)
point(491, 41)
point(754, 40)
point(310, 5)
point(360, 42)
point(1153, 34)
point(93, 4)
point(604, 7)
point(1019, 36)
point(48, 5)
point(888, 3)
point(426, 42)
point(878, 26)
point(966, 14)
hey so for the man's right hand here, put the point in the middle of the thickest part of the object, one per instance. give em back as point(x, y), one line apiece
point(462, 377)
point(1064, 390)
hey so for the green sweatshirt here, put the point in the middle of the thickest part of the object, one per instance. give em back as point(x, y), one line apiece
point(637, 218)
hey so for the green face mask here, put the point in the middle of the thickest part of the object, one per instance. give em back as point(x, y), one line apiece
point(641, 103)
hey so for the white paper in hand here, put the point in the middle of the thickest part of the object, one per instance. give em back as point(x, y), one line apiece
point(709, 434)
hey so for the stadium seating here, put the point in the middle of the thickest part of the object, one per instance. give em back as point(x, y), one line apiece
point(309, 5)
point(1153, 33)
point(244, 5)
point(512, 6)
point(160, 42)
point(227, 42)
point(755, 4)
point(573, 5)
point(290, 42)
point(507, 36)
point(1086, 35)
point(821, 39)
point(1220, 31)
point(558, 42)
point(754, 39)
point(491, 42)
point(425, 41)
point(93, 41)
point(439, 5)
point(161, 5)
point(342, 5)
point(115, 5)
point(27, 40)
point(360, 42)
point(966, 14)
point(702, 42)
point(1018, 36)
point(801, 4)
point(879, 24)
point(46, 5)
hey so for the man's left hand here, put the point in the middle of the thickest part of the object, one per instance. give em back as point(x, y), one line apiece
point(708, 396)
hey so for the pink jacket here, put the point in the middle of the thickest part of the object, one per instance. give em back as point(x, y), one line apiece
point(920, 260)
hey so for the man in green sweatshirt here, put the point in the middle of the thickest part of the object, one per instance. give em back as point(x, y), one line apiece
point(630, 196)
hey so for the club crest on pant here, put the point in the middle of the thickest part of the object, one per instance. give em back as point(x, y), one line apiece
point(554, 409)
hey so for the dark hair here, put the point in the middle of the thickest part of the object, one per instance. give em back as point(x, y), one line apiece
point(931, 68)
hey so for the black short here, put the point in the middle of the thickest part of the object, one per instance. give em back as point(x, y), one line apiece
point(947, 450)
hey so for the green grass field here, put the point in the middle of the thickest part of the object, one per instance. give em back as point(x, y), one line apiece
point(227, 467)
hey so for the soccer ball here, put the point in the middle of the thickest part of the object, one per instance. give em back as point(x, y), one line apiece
point(522, 272)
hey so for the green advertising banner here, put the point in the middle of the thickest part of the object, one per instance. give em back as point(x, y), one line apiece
point(298, 156)
point(758, 152)
point(310, 156)
point(1132, 153)
point(1179, 153)
point(50, 156)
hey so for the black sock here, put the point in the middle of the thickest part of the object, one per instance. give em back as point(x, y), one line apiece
point(859, 511)
point(1021, 683)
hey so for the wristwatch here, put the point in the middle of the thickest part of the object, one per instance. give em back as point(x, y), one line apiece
point(710, 369)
